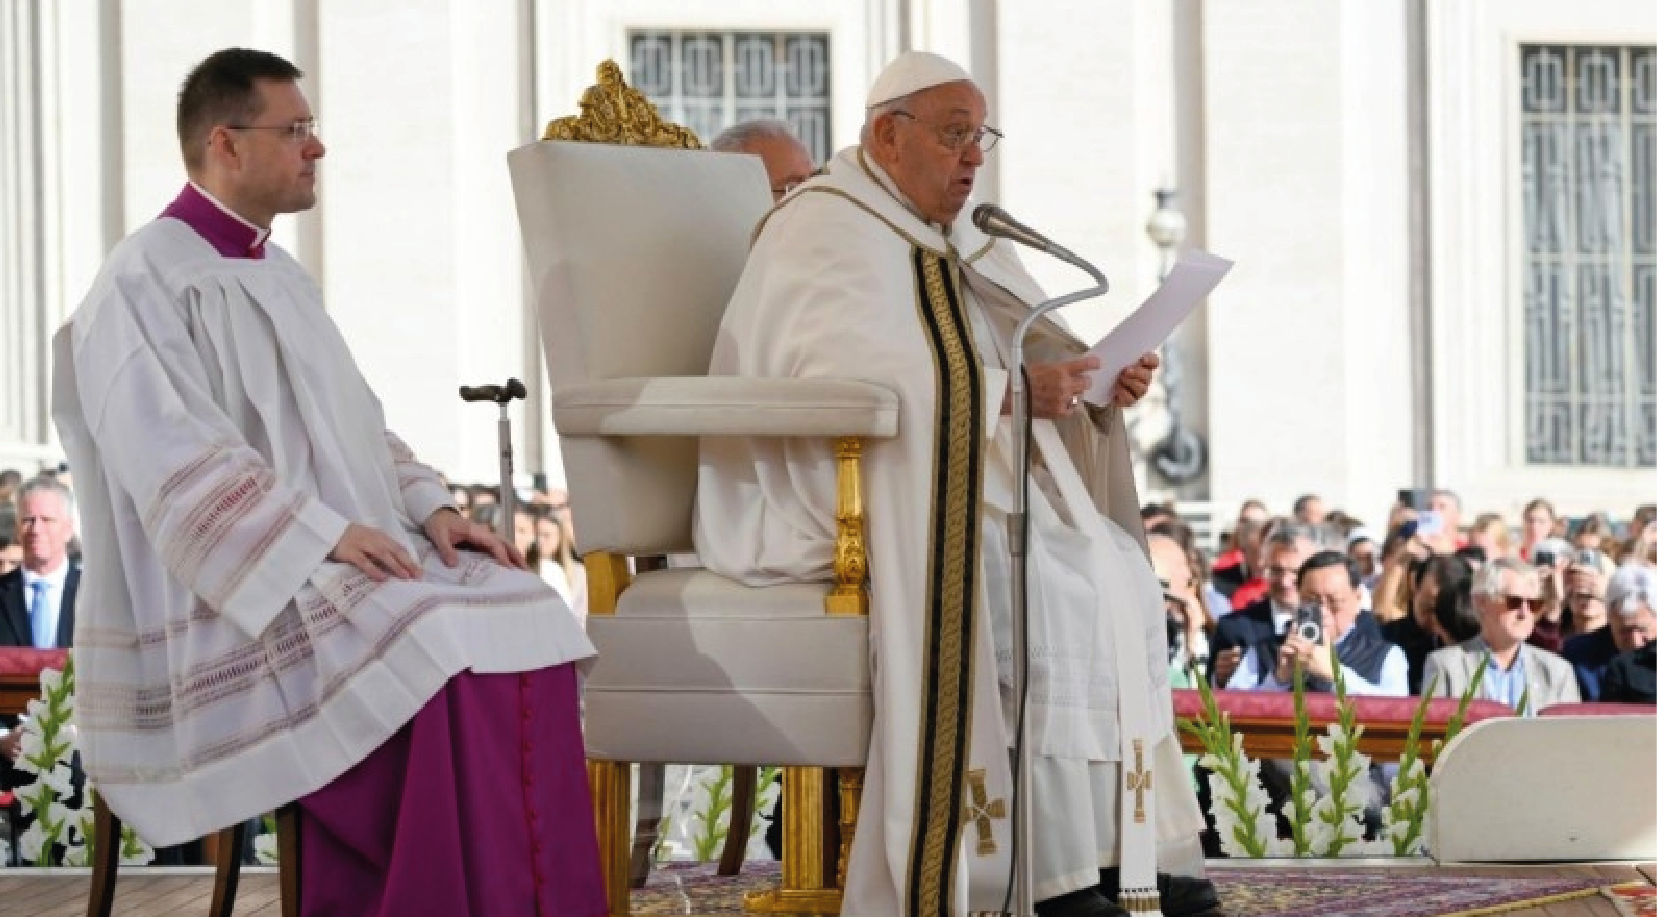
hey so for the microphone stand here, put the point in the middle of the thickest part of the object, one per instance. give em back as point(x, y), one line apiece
point(1023, 891)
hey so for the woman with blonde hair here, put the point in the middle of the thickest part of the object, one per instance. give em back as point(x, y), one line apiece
point(1537, 526)
point(555, 549)
point(1490, 532)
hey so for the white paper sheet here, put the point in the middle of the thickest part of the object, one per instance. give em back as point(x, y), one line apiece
point(1193, 277)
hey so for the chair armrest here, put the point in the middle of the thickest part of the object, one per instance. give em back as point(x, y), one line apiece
point(726, 406)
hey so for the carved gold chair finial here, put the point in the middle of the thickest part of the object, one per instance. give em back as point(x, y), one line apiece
point(613, 112)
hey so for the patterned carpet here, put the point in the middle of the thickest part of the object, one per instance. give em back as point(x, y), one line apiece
point(1633, 900)
point(693, 889)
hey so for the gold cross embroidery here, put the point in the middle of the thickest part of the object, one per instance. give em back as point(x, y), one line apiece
point(1139, 781)
point(981, 808)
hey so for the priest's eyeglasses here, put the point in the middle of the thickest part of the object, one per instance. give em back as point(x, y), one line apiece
point(297, 132)
point(956, 138)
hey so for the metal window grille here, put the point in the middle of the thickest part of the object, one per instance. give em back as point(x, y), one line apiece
point(709, 81)
point(1589, 184)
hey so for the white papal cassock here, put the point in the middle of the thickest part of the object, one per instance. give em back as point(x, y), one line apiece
point(845, 280)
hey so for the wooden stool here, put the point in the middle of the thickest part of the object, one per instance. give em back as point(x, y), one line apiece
point(230, 841)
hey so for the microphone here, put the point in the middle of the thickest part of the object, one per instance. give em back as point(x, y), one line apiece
point(993, 221)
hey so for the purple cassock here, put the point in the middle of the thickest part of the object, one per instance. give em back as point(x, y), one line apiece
point(477, 807)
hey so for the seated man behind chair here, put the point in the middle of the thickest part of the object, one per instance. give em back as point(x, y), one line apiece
point(874, 271)
point(281, 602)
point(787, 161)
point(1508, 595)
point(1630, 676)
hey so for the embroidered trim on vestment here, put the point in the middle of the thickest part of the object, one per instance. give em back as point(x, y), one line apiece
point(951, 589)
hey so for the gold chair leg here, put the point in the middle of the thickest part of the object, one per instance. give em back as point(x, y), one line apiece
point(808, 874)
point(851, 799)
point(610, 783)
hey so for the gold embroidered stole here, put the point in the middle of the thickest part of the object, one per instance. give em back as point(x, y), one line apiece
point(951, 587)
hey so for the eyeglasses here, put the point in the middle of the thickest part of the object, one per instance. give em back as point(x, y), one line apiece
point(1516, 602)
point(298, 132)
point(956, 138)
point(1276, 572)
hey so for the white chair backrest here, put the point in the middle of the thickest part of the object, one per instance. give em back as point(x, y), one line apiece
point(633, 253)
point(1548, 789)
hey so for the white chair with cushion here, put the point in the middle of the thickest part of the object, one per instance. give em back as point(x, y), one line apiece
point(634, 252)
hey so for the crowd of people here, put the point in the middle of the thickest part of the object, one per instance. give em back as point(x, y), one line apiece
point(1556, 609)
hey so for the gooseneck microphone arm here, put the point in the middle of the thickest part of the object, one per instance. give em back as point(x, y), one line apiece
point(994, 221)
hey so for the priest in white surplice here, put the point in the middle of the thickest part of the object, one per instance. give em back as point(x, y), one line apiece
point(279, 603)
point(875, 271)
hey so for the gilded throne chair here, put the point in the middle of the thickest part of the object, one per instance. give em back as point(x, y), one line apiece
point(634, 240)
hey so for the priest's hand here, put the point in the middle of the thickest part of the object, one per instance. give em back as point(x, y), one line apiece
point(1135, 381)
point(449, 530)
point(375, 553)
point(1056, 388)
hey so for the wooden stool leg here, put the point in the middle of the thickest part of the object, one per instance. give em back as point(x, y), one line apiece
point(229, 873)
point(107, 859)
point(741, 824)
point(288, 857)
point(647, 827)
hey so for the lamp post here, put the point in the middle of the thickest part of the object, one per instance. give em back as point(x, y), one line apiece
point(1181, 456)
point(1166, 227)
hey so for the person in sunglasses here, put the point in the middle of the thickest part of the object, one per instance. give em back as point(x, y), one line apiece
point(1507, 594)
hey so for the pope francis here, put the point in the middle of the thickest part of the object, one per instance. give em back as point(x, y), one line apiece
point(874, 270)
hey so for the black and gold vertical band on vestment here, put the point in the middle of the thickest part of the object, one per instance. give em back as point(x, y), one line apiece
point(951, 588)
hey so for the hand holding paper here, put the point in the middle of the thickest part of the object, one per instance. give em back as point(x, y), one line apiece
point(1194, 276)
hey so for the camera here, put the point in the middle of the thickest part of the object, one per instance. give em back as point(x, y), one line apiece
point(1308, 623)
point(1544, 557)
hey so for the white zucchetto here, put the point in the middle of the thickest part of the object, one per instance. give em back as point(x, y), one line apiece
point(912, 71)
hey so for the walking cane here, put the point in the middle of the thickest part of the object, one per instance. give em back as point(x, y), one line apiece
point(501, 395)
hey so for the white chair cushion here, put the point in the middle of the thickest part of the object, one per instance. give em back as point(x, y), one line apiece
point(695, 668)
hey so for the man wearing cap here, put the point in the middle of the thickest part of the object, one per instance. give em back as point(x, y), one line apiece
point(874, 270)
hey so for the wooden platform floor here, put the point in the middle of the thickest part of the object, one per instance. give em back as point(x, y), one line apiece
point(173, 892)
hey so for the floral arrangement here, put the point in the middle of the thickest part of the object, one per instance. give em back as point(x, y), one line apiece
point(1326, 794)
point(60, 835)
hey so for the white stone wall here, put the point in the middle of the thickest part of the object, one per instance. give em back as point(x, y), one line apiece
point(1477, 287)
point(1306, 190)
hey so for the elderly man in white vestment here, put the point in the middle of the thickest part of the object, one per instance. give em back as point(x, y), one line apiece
point(873, 270)
point(279, 603)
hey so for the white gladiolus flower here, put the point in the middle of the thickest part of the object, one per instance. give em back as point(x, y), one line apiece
point(264, 849)
point(28, 846)
point(51, 680)
point(60, 779)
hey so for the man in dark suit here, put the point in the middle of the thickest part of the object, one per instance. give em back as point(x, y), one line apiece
point(37, 600)
point(1631, 610)
point(1249, 637)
